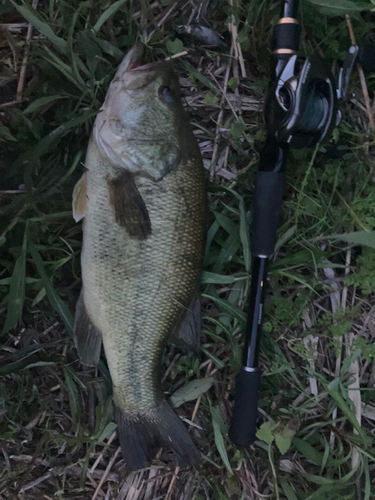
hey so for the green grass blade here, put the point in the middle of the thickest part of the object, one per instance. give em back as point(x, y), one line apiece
point(218, 425)
point(191, 391)
point(42, 101)
point(110, 49)
point(50, 140)
point(245, 238)
point(15, 367)
point(313, 456)
point(360, 238)
point(72, 393)
point(218, 363)
point(107, 14)
point(225, 222)
point(326, 481)
point(342, 7)
point(107, 431)
point(210, 236)
point(335, 393)
point(32, 16)
point(222, 279)
point(231, 309)
point(17, 290)
point(56, 302)
point(226, 255)
point(70, 72)
point(200, 77)
point(289, 493)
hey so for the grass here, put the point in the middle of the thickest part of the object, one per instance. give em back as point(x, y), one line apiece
point(57, 439)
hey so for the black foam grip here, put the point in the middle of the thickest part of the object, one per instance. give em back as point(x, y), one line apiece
point(245, 411)
point(269, 188)
point(366, 56)
point(286, 36)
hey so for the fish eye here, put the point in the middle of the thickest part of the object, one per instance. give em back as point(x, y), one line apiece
point(167, 94)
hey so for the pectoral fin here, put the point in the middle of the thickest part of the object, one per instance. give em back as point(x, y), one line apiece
point(87, 337)
point(128, 205)
point(80, 198)
point(187, 334)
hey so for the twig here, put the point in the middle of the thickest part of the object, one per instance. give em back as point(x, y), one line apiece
point(221, 114)
point(167, 371)
point(196, 408)
point(37, 481)
point(362, 78)
point(225, 95)
point(109, 491)
point(14, 27)
point(150, 484)
point(21, 81)
point(353, 392)
point(15, 219)
point(139, 12)
point(111, 438)
point(159, 23)
point(335, 304)
point(311, 343)
point(171, 485)
point(14, 191)
point(6, 458)
point(347, 271)
point(355, 217)
point(270, 459)
point(237, 47)
point(180, 54)
point(12, 103)
point(106, 472)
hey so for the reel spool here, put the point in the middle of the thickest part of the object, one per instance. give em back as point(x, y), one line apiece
point(301, 108)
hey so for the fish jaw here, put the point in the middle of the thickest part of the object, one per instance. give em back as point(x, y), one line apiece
point(131, 60)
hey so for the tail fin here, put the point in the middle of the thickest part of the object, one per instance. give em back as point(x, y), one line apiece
point(141, 436)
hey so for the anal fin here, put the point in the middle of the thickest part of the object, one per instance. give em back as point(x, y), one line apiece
point(187, 334)
point(87, 337)
point(128, 205)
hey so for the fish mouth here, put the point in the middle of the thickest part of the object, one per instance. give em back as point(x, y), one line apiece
point(132, 62)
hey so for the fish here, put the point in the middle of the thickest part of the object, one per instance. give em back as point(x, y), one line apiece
point(143, 202)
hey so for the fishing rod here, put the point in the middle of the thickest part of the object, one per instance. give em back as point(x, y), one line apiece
point(301, 110)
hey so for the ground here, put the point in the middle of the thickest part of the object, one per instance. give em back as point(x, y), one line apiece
point(57, 437)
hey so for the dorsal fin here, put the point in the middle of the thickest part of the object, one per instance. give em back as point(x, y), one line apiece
point(128, 205)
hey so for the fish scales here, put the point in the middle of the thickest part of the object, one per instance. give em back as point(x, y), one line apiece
point(144, 207)
point(139, 287)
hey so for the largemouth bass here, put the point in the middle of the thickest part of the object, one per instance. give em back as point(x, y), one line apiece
point(143, 201)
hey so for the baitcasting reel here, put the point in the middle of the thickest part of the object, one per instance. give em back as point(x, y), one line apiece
point(302, 106)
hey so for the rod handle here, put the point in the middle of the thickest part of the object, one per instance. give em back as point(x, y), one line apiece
point(269, 189)
point(245, 411)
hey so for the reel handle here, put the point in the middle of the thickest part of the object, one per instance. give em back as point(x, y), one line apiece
point(243, 426)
